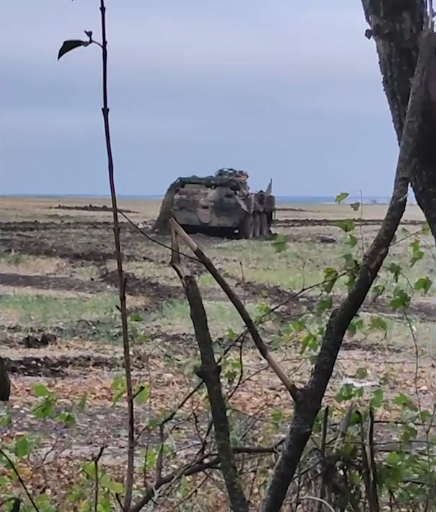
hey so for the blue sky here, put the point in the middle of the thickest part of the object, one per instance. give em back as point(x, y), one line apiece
point(288, 90)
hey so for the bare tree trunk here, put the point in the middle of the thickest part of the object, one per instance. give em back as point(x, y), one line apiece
point(396, 27)
point(309, 403)
point(162, 223)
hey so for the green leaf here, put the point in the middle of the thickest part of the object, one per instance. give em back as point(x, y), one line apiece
point(82, 402)
point(324, 304)
point(117, 396)
point(67, 418)
point(395, 270)
point(330, 277)
point(346, 392)
point(298, 325)
point(109, 484)
point(351, 263)
point(378, 323)
point(69, 45)
point(5, 419)
point(263, 308)
point(22, 446)
point(351, 240)
point(135, 317)
point(355, 325)
point(346, 225)
point(276, 415)
point(341, 197)
point(231, 335)
point(355, 206)
point(309, 342)
point(279, 243)
point(89, 469)
point(143, 395)
point(361, 373)
point(423, 283)
point(393, 458)
point(141, 338)
point(417, 253)
point(400, 299)
point(402, 399)
point(377, 399)
point(45, 409)
point(40, 390)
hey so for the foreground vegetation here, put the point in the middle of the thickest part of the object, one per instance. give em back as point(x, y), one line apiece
point(64, 430)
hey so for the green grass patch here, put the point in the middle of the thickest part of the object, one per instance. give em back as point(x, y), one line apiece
point(298, 266)
point(47, 311)
point(174, 316)
point(153, 271)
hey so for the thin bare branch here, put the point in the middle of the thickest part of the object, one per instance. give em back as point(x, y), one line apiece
point(19, 478)
point(96, 460)
point(121, 276)
point(209, 372)
point(251, 326)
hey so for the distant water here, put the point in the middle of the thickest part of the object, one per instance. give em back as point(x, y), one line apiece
point(279, 199)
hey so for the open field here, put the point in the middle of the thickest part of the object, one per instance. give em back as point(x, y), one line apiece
point(58, 277)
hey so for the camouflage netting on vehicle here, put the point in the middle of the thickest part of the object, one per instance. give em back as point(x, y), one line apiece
point(220, 204)
point(232, 173)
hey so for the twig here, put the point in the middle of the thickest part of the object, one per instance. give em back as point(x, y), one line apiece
point(368, 474)
point(192, 493)
point(373, 465)
point(159, 462)
point(188, 470)
point(290, 386)
point(96, 460)
point(319, 500)
point(19, 478)
point(325, 424)
point(121, 277)
point(209, 372)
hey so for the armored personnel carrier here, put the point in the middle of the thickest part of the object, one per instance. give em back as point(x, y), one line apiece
point(223, 205)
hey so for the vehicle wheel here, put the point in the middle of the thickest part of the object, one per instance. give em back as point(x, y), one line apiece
point(246, 228)
point(256, 225)
point(264, 229)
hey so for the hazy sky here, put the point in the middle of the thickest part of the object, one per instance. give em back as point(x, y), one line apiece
point(288, 90)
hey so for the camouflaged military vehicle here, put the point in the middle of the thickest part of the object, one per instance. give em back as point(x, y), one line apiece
point(223, 205)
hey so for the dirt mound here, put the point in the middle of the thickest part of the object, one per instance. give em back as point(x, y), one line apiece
point(141, 286)
point(89, 208)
